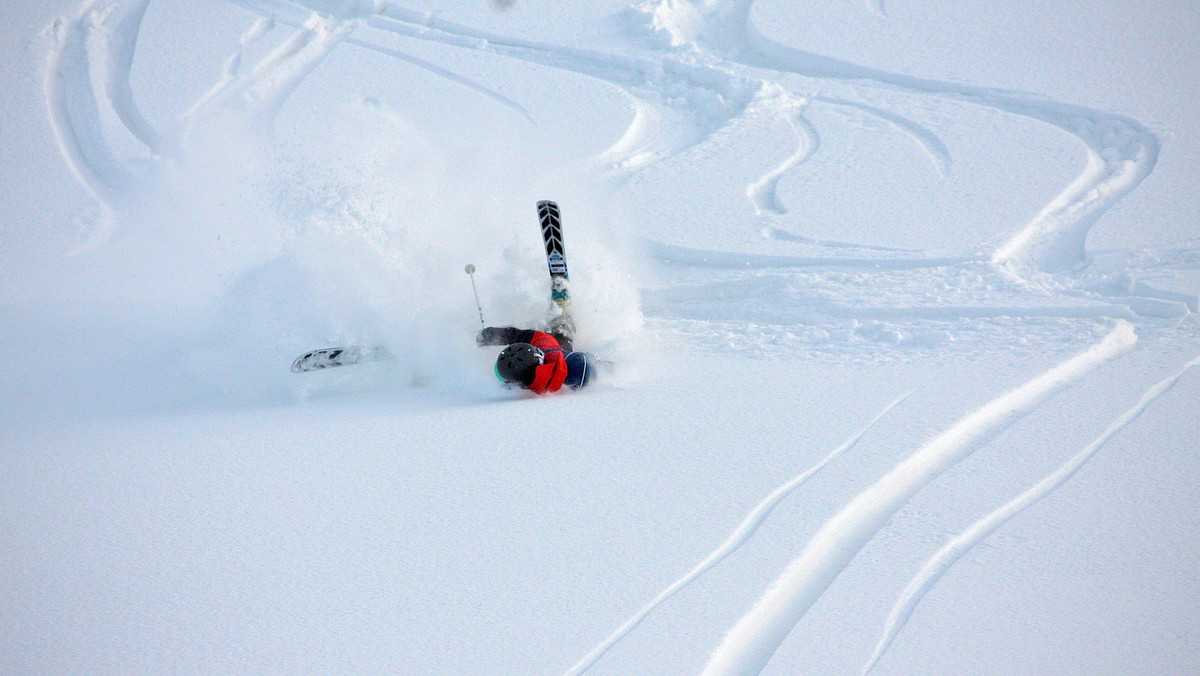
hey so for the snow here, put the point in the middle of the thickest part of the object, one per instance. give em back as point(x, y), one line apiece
point(902, 300)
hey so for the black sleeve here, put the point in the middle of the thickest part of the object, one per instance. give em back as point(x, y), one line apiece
point(504, 335)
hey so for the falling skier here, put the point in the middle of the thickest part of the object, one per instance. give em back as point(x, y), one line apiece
point(538, 361)
point(543, 361)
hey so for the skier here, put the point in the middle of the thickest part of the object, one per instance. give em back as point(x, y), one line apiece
point(538, 361)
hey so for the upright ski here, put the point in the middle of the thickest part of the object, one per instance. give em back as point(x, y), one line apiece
point(556, 260)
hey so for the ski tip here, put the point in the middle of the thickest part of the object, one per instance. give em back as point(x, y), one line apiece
point(339, 356)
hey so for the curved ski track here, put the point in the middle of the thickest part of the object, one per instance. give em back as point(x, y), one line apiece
point(756, 636)
point(952, 551)
point(724, 67)
point(740, 535)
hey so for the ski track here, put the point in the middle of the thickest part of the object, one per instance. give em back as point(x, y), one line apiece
point(1120, 151)
point(731, 260)
point(931, 312)
point(763, 193)
point(740, 535)
point(125, 27)
point(1182, 303)
point(654, 84)
point(933, 146)
point(106, 32)
point(952, 551)
point(754, 639)
point(776, 232)
point(295, 17)
point(74, 105)
point(263, 90)
point(75, 118)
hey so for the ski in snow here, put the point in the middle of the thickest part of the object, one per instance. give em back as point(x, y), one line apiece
point(338, 356)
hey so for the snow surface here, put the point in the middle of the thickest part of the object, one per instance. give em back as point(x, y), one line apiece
point(904, 302)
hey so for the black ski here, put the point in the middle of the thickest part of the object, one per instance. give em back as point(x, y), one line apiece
point(338, 356)
point(556, 261)
point(556, 257)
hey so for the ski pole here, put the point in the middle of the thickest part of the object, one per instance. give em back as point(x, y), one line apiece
point(470, 270)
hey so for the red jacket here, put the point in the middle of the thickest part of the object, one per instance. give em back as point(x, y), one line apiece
point(550, 375)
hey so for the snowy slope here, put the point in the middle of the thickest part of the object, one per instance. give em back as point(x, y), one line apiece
point(903, 299)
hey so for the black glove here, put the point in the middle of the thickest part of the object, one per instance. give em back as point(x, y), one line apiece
point(494, 335)
point(503, 335)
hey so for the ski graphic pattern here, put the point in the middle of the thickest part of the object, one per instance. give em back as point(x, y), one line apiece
point(551, 222)
point(338, 356)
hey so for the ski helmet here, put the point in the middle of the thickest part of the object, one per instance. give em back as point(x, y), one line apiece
point(517, 363)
